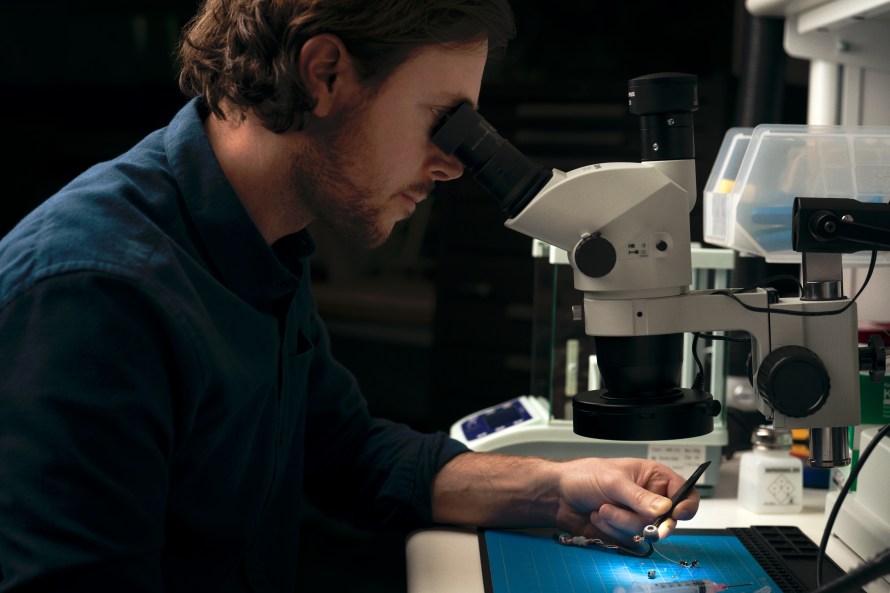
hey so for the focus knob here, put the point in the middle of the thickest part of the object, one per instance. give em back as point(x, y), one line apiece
point(873, 358)
point(793, 381)
point(595, 256)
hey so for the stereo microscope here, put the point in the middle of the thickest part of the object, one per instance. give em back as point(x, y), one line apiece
point(626, 229)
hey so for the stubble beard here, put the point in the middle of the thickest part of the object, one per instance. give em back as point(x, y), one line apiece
point(322, 179)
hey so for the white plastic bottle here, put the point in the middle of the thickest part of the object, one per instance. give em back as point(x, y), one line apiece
point(770, 478)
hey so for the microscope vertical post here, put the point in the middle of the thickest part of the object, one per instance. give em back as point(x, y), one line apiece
point(822, 275)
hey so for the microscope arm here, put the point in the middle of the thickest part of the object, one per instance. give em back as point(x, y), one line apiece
point(782, 343)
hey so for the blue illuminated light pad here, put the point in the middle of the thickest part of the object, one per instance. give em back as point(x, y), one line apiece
point(494, 419)
point(522, 562)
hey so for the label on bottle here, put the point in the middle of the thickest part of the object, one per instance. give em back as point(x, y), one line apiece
point(779, 490)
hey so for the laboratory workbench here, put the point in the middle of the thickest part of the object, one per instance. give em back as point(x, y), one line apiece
point(447, 560)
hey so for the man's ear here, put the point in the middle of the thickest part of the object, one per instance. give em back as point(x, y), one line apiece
point(327, 72)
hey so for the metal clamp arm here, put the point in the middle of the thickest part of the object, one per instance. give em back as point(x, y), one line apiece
point(834, 225)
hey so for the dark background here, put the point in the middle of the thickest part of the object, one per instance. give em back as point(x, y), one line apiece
point(437, 323)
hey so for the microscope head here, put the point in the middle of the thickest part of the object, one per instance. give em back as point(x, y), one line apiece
point(625, 227)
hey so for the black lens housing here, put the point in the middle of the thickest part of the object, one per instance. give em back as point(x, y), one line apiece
point(642, 399)
point(665, 103)
point(642, 366)
point(511, 178)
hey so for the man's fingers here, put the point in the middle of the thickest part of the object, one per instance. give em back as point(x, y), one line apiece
point(618, 521)
point(666, 528)
point(642, 501)
point(686, 509)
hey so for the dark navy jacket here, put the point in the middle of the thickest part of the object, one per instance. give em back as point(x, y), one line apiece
point(167, 391)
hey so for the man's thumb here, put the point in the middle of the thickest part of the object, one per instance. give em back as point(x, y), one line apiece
point(653, 504)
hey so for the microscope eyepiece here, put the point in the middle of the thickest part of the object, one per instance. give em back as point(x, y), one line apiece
point(511, 178)
point(665, 103)
point(665, 92)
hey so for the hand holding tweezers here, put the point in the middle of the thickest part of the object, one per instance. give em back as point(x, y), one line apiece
point(647, 538)
point(650, 532)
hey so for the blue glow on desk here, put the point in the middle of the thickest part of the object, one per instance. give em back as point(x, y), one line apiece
point(527, 563)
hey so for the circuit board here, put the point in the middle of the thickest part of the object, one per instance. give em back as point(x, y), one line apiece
point(530, 562)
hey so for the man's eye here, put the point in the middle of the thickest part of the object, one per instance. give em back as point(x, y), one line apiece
point(439, 116)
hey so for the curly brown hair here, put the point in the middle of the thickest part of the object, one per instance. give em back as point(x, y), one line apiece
point(245, 53)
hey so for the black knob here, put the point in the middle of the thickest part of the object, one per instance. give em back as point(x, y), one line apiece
point(793, 380)
point(595, 256)
point(873, 358)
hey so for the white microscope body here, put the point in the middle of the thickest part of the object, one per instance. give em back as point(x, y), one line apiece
point(626, 229)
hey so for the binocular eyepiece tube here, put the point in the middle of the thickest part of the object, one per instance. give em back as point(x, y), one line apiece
point(511, 178)
point(664, 102)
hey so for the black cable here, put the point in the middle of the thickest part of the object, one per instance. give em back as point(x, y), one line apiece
point(829, 524)
point(731, 294)
point(699, 380)
point(772, 280)
point(769, 326)
point(861, 575)
point(700, 376)
point(709, 336)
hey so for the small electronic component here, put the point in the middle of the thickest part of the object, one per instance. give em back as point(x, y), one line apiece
point(568, 539)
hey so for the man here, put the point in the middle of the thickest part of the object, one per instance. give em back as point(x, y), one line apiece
point(168, 395)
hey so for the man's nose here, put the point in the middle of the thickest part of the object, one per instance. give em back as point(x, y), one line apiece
point(445, 167)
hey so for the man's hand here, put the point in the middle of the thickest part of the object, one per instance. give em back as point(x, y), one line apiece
point(595, 497)
point(616, 498)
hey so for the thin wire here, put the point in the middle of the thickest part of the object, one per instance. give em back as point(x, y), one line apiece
point(769, 326)
point(731, 294)
point(771, 280)
point(710, 336)
point(666, 558)
point(688, 566)
point(700, 377)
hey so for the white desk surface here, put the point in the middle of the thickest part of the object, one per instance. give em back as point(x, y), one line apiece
point(446, 560)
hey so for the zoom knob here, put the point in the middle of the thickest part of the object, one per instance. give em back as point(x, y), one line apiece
point(595, 256)
point(793, 380)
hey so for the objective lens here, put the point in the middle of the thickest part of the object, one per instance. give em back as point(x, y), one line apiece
point(641, 366)
point(642, 399)
point(494, 163)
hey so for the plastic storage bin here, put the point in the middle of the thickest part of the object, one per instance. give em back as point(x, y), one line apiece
point(759, 171)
